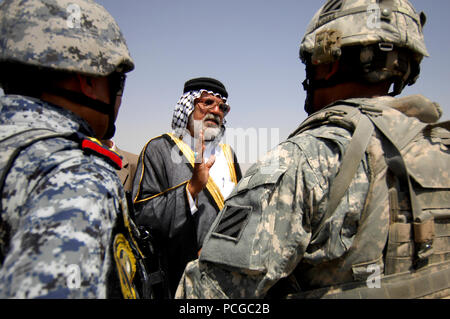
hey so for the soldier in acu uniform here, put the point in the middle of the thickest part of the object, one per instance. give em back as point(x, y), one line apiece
point(63, 66)
point(349, 206)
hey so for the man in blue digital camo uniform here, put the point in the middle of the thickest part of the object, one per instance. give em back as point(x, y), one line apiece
point(349, 205)
point(63, 66)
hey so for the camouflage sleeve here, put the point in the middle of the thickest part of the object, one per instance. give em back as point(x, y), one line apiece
point(61, 248)
point(247, 266)
point(265, 229)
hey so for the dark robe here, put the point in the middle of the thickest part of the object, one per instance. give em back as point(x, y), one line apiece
point(161, 202)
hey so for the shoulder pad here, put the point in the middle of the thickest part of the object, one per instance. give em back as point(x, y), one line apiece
point(93, 146)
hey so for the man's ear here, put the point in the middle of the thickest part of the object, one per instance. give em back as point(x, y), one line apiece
point(87, 86)
point(333, 70)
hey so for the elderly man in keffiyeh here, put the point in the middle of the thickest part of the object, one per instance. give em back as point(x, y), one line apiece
point(183, 177)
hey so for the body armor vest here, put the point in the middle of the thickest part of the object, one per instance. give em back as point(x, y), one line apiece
point(407, 207)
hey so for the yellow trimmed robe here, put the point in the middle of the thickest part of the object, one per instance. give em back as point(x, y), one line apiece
point(161, 201)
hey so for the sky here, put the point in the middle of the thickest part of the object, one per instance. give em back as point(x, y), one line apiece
point(252, 47)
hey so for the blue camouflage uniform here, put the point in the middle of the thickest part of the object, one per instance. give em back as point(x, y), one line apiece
point(60, 206)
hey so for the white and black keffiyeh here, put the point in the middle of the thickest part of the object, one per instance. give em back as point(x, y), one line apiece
point(185, 107)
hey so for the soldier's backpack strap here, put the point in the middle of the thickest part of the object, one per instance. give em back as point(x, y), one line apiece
point(10, 153)
point(350, 163)
point(349, 116)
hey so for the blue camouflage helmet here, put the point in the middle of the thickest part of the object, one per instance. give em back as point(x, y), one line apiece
point(63, 35)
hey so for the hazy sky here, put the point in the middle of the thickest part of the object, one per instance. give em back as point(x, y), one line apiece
point(252, 47)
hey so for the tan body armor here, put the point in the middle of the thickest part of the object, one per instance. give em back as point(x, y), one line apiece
point(407, 208)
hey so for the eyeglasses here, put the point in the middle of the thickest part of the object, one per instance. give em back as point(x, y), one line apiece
point(208, 104)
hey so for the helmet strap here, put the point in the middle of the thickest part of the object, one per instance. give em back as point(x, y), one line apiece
point(372, 64)
point(335, 77)
point(94, 104)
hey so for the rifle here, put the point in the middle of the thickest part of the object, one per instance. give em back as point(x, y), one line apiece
point(153, 281)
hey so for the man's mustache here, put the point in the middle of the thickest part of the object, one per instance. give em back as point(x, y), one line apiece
point(212, 117)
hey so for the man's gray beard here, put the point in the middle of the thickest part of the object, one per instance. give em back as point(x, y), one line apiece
point(210, 133)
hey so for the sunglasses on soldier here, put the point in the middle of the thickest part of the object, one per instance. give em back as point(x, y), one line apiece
point(117, 83)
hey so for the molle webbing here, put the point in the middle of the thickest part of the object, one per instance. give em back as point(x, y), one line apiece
point(423, 223)
point(416, 260)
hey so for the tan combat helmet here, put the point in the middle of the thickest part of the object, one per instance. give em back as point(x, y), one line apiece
point(64, 35)
point(383, 36)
